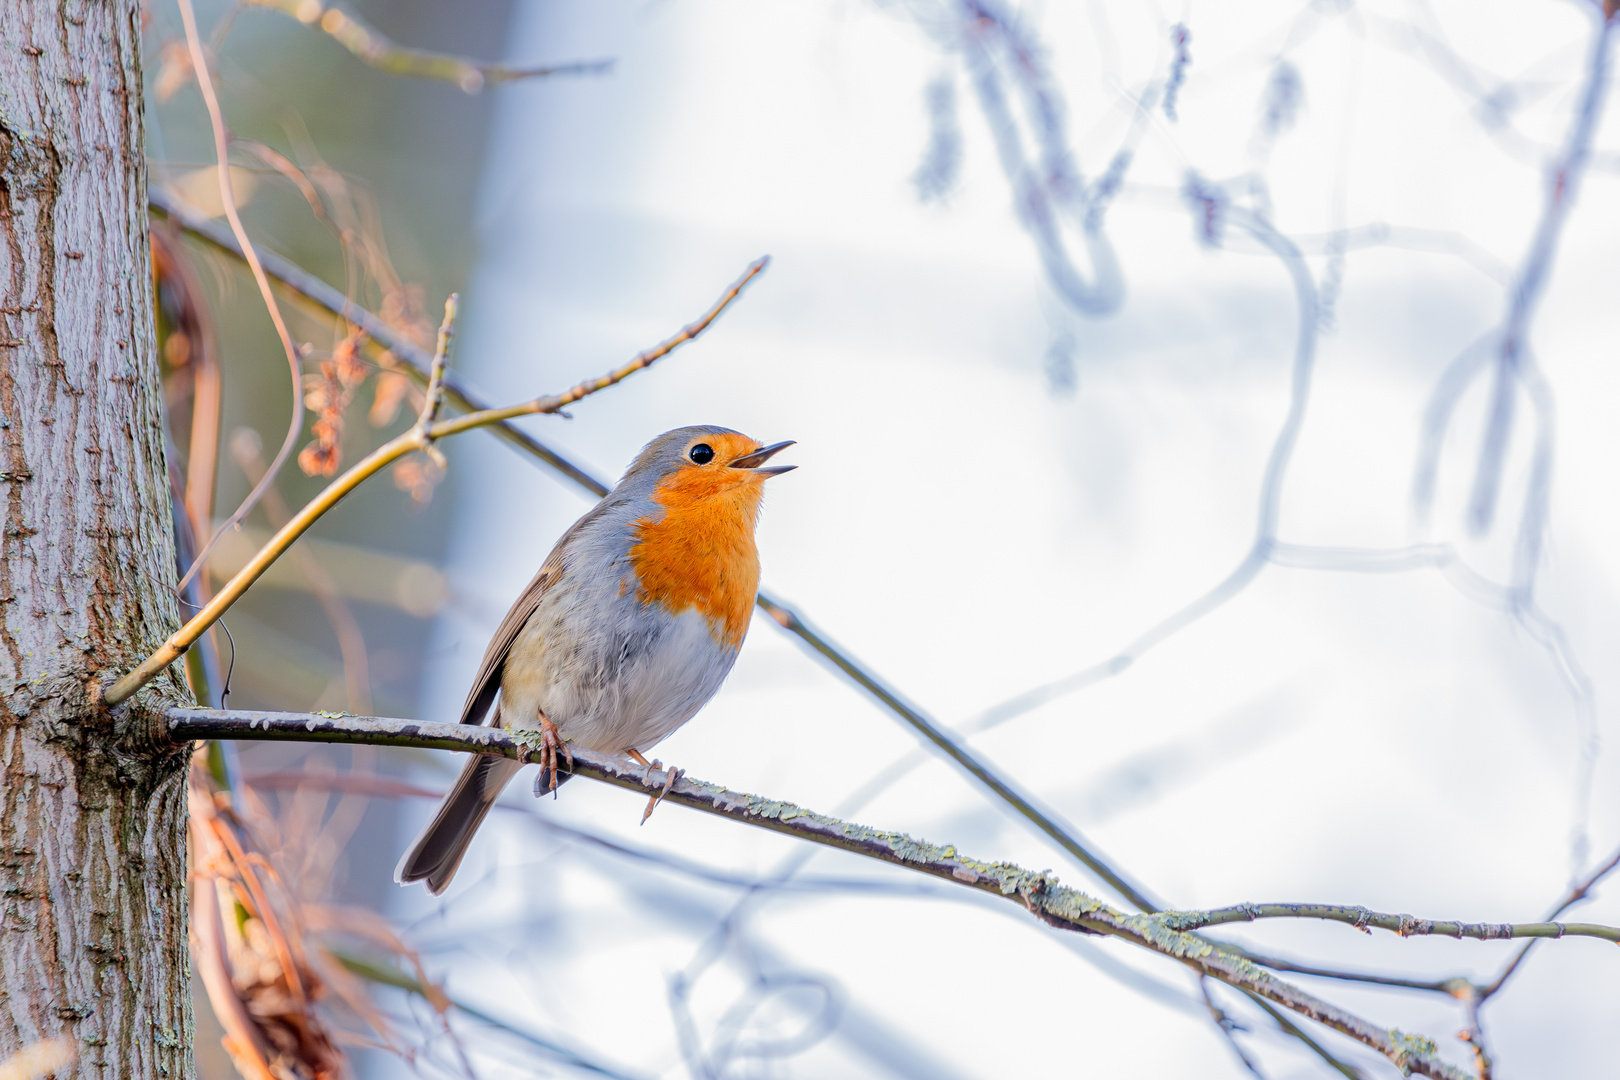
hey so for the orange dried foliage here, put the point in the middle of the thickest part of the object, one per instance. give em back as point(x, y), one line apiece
point(261, 932)
point(247, 944)
point(175, 71)
point(418, 476)
point(328, 396)
point(391, 391)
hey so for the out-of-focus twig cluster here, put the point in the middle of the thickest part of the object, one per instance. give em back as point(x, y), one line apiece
point(248, 947)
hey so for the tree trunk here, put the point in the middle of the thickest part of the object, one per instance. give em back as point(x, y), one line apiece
point(92, 811)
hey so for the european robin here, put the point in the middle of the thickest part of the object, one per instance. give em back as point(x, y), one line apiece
point(629, 628)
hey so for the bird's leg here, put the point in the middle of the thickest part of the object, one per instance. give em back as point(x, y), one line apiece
point(550, 740)
point(670, 777)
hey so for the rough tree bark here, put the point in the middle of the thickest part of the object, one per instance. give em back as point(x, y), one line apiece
point(92, 809)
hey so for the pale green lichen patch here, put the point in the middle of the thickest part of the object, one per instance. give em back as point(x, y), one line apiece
point(1072, 904)
point(1411, 1047)
point(724, 798)
point(1167, 939)
point(528, 738)
point(777, 810)
point(1010, 879)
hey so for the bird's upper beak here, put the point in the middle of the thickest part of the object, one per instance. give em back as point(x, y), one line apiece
point(753, 461)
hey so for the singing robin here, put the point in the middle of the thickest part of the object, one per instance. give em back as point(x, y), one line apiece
point(629, 628)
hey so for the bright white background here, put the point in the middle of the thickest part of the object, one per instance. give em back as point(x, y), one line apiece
point(970, 531)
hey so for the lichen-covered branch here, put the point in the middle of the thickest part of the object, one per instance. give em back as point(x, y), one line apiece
point(1039, 893)
point(1062, 833)
point(376, 50)
point(1405, 925)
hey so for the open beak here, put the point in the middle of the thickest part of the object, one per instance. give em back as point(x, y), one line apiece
point(753, 461)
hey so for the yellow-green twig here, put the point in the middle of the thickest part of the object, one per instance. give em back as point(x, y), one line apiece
point(421, 436)
point(1404, 925)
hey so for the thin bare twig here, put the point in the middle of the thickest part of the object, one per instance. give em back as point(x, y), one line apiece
point(1294, 1030)
point(1450, 987)
point(384, 787)
point(1227, 1027)
point(1262, 547)
point(375, 50)
point(1576, 894)
point(996, 49)
point(386, 974)
point(190, 345)
point(1563, 180)
point(205, 83)
point(1040, 893)
point(1405, 925)
point(1474, 1033)
point(1065, 835)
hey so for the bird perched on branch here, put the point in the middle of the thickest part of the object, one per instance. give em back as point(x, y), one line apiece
point(627, 631)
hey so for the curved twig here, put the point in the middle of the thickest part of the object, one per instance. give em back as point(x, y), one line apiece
point(205, 83)
point(1405, 925)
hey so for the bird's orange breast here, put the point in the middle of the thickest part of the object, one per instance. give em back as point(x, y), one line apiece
point(699, 553)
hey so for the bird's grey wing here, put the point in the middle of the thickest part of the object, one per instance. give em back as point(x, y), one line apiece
point(488, 682)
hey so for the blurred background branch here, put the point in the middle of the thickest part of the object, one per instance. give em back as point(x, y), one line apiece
point(376, 50)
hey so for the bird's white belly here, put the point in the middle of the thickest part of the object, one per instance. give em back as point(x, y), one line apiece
point(626, 688)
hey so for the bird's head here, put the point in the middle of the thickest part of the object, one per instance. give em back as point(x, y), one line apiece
point(693, 465)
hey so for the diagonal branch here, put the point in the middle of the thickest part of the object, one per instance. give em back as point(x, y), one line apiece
point(375, 50)
point(1065, 835)
point(1039, 893)
point(417, 362)
point(1404, 925)
point(1576, 894)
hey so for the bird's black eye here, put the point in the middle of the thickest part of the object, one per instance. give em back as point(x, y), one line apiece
point(702, 453)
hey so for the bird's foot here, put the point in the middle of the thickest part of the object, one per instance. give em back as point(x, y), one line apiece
point(670, 776)
point(548, 740)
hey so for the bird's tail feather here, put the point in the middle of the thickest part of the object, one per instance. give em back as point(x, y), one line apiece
point(438, 851)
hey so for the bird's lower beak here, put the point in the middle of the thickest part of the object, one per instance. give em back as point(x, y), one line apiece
point(753, 461)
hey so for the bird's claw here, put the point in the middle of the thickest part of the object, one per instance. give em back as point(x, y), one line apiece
point(671, 775)
point(548, 740)
point(647, 768)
